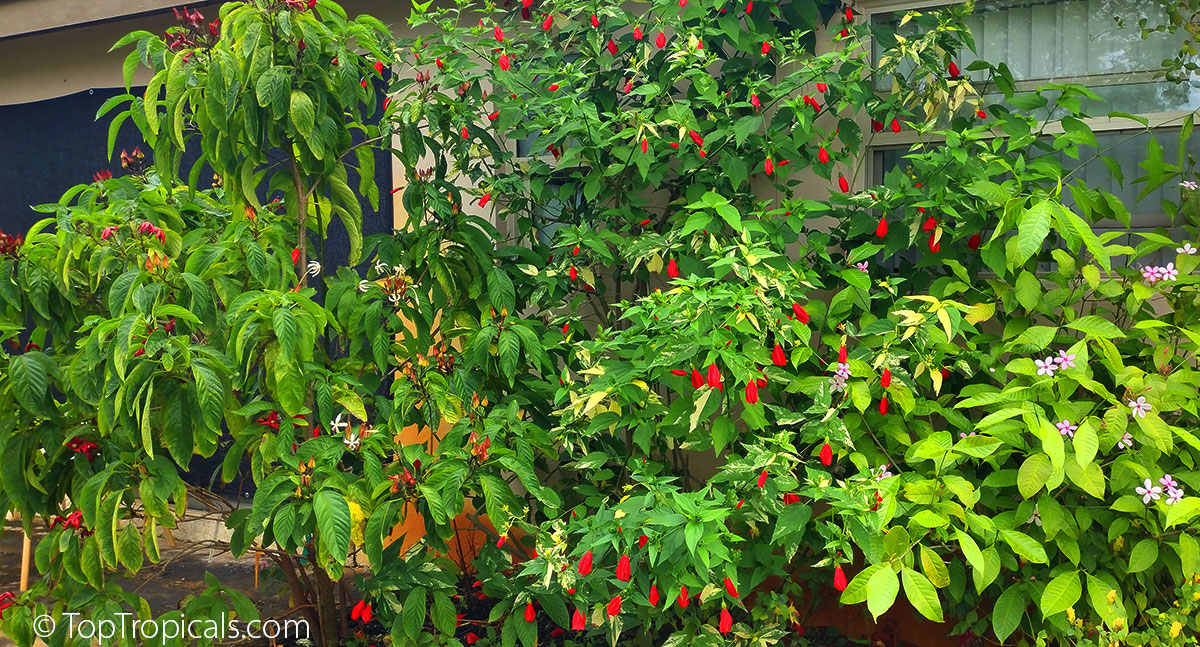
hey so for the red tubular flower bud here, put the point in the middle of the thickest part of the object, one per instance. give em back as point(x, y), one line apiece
point(726, 622)
point(683, 600)
point(642, 541)
point(612, 47)
point(653, 595)
point(883, 406)
point(777, 356)
point(585, 563)
point(821, 87)
point(697, 379)
point(530, 614)
point(498, 33)
point(573, 273)
point(623, 568)
point(595, 21)
point(577, 621)
point(822, 155)
point(762, 479)
point(839, 579)
point(766, 47)
point(768, 166)
point(672, 268)
point(881, 229)
point(826, 454)
point(614, 605)
point(895, 125)
point(885, 380)
point(930, 224)
point(547, 22)
point(696, 138)
point(843, 184)
point(800, 312)
point(730, 587)
point(678, 371)
point(751, 392)
point(714, 376)
point(637, 33)
point(953, 69)
point(974, 241)
point(842, 354)
point(661, 40)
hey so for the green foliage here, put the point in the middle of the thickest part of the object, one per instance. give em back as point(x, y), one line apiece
point(672, 338)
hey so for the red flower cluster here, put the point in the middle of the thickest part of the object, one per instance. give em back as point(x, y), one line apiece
point(149, 228)
point(73, 520)
point(6, 600)
point(9, 245)
point(362, 611)
point(85, 447)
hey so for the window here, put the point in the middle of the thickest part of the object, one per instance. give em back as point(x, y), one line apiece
point(1095, 43)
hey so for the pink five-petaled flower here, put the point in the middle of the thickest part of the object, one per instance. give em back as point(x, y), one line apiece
point(726, 622)
point(1149, 491)
point(1189, 185)
point(884, 472)
point(585, 563)
point(1126, 441)
point(577, 621)
point(730, 588)
point(1046, 366)
point(862, 266)
point(1067, 429)
point(1168, 482)
point(839, 579)
point(1035, 518)
point(826, 454)
point(623, 569)
point(1139, 408)
point(1065, 359)
point(614, 605)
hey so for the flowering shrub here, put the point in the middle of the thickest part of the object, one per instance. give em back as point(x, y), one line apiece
point(697, 374)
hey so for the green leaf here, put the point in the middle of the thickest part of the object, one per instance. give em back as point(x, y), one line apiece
point(302, 113)
point(922, 594)
point(1008, 611)
point(1025, 546)
point(1028, 290)
point(1061, 593)
point(882, 589)
point(1034, 473)
point(1086, 443)
point(791, 523)
point(271, 90)
point(1183, 512)
point(1143, 555)
point(333, 523)
point(1096, 326)
point(30, 381)
point(1032, 230)
point(989, 191)
point(934, 567)
point(413, 613)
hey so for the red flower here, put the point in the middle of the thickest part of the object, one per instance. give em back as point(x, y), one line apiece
point(826, 454)
point(974, 241)
point(749, 6)
point(623, 570)
point(530, 614)
point(566, 327)
point(882, 228)
point(839, 579)
point(790, 498)
point(595, 21)
point(945, 373)
point(547, 22)
point(379, 65)
point(843, 355)
point(822, 155)
point(612, 47)
point(484, 200)
point(644, 222)
point(570, 591)
point(585, 563)
point(762, 479)
point(766, 47)
point(755, 102)
point(877, 126)
point(673, 144)
point(702, 156)
point(672, 268)
point(683, 600)
point(895, 125)
point(661, 40)
point(678, 371)
point(653, 595)
point(553, 87)
point(574, 273)
point(696, 138)
point(885, 380)
point(768, 166)
point(614, 605)
point(714, 376)
point(367, 614)
point(844, 33)
point(493, 116)
point(730, 587)
point(739, 504)
point(953, 69)
point(981, 114)
point(821, 87)
point(697, 379)
point(465, 134)
point(726, 623)
point(643, 144)
point(883, 405)
point(471, 639)
point(504, 62)
point(556, 632)
point(751, 392)
point(628, 86)
point(934, 244)
point(849, 15)
point(500, 542)
point(577, 622)
point(642, 541)
point(777, 356)
point(930, 224)
point(356, 612)
point(843, 184)
point(800, 312)
point(637, 33)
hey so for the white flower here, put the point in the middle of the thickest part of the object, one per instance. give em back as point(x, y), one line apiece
point(314, 268)
point(394, 298)
point(337, 425)
point(1046, 366)
point(1139, 407)
point(364, 285)
point(1170, 272)
point(1149, 491)
point(1174, 495)
point(352, 441)
point(1186, 249)
point(1035, 518)
point(883, 472)
point(837, 383)
point(381, 267)
point(1126, 441)
point(1189, 185)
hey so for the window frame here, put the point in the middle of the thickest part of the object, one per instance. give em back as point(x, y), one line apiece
point(886, 139)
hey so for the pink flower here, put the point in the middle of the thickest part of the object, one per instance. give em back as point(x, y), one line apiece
point(1186, 249)
point(1149, 492)
point(883, 472)
point(1174, 495)
point(1170, 272)
point(1065, 359)
point(1139, 408)
point(1126, 441)
point(107, 231)
point(862, 266)
point(1067, 429)
point(1168, 482)
point(1046, 366)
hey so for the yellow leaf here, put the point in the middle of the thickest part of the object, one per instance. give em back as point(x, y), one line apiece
point(981, 312)
point(944, 317)
point(655, 264)
point(592, 401)
point(936, 376)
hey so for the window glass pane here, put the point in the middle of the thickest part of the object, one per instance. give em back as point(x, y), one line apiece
point(1074, 41)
